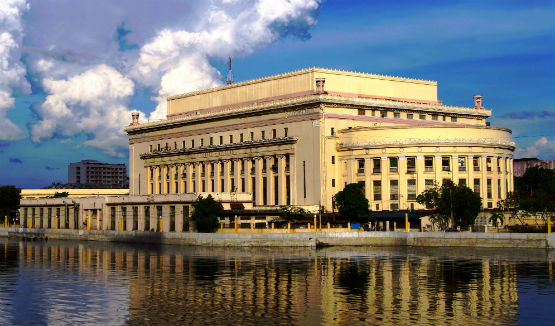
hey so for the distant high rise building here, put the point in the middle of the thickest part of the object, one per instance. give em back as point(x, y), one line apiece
point(520, 165)
point(95, 173)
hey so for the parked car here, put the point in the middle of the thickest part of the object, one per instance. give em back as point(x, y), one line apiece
point(451, 230)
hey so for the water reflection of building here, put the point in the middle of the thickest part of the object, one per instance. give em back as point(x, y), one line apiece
point(232, 286)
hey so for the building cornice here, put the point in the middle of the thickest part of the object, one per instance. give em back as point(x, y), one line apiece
point(217, 148)
point(259, 108)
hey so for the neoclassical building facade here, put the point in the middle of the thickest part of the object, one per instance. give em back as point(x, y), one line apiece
point(298, 138)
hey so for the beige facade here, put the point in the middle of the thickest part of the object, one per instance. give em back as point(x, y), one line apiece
point(298, 138)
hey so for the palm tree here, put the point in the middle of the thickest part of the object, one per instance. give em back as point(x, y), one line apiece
point(497, 218)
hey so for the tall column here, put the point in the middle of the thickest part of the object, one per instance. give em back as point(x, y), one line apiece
point(189, 177)
point(208, 170)
point(163, 170)
point(181, 180)
point(293, 178)
point(367, 179)
point(403, 190)
point(437, 169)
point(248, 175)
point(217, 187)
point(258, 180)
point(504, 178)
point(149, 180)
point(351, 170)
point(494, 182)
point(198, 182)
point(237, 175)
point(470, 172)
point(227, 177)
point(510, 175)
point(483, 182)
point(157, 178)
point(455, 168)
point(171, 170)
point(269, 180)
point(281, 180)
point(420, 179)
point(385, 183)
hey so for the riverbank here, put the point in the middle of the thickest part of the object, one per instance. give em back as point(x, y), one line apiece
point(312, 239)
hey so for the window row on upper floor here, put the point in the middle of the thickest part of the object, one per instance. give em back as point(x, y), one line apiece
point(218, 139)
point(392, 164)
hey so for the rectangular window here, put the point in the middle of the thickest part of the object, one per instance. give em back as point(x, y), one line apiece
point(428, 163)
point(428, 184)
point(221, 140)
point(231, 139)
point(498, 164)
point(274, 133)
point(332, 131)
point(453, 119)
point(376, 165)
point(477, 186)
point(489, 189)
point(396, 115)
point(158, 147)
point(462, 182)
point(333, 182)
point(462, 163)
point(211, 141)
point(377, 189)
point(411, 189)
point(192, 143)
point(393, 164)
point(498, 188)
point(360, 163)
point(411, 164)
point(332, 159)
point(410, 116)
point(241, 138)
point(394, 189)
point(476, 164)
point(285, 132)
point(172, 218)
point(488, 164)
point(262, 134)
point(383, 114)
point(361, 112)
point(445, 163)
point(422, 117)
point(150, 148)
point(434, 117)
point(184, 144)
point(394, 207)
point(252, 135)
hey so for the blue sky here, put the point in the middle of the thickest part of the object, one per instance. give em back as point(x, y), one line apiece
point(70, 76)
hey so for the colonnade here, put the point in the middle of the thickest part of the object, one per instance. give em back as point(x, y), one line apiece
point(269, 178)
point(489, 176)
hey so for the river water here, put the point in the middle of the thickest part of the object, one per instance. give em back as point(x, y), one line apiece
point(70, 282)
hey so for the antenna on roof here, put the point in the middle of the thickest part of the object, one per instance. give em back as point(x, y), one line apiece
point(229, 78)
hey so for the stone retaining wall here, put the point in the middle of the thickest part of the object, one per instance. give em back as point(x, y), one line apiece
point(423, 239)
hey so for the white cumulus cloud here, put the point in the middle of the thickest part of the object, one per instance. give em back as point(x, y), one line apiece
point(94, 102)
point(116, 49)
point(12, 72)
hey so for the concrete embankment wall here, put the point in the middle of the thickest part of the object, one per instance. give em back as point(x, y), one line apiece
point(422, 239)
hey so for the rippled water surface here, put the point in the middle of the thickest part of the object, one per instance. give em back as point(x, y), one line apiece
point(69, 283)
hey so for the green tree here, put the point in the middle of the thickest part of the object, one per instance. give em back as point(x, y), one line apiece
point(60, 194)
point(535, 192)
point(452, 205)
point(9, 202)
point(497, 218)
point(293, 213)
point(350, 201)
point(205, 213)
